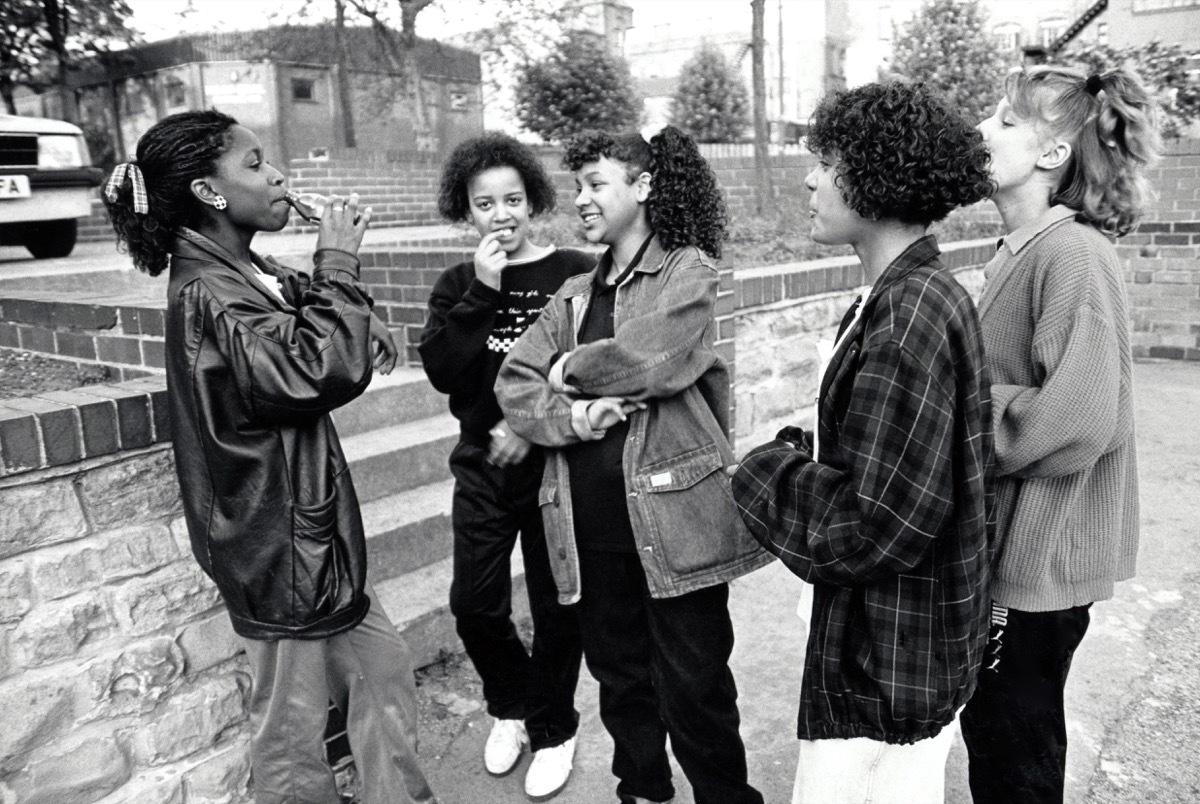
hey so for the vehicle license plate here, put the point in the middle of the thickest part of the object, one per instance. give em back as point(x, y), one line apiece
point(14, 187)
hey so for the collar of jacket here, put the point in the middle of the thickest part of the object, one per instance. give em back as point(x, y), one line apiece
point(919, 252)
point(191, 251)
point(652, 262)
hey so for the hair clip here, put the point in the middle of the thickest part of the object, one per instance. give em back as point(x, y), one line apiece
point(1094, 85)
point(141, 199)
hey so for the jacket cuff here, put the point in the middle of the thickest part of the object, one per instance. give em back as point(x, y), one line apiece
point(579, 421)
point(558, 382)
point(334, 259)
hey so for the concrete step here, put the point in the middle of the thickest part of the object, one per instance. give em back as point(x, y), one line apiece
point(409, 530)
point(405, 395)
point(418, 603)
point(389, 460)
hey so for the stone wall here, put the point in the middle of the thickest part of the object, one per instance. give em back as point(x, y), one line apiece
point(1162, 260)
point(783, 311)
point(120, 679)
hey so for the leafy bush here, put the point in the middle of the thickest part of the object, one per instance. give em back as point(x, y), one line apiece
point(711, 103)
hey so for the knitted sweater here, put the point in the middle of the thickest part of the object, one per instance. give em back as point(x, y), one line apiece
point(1056, 332)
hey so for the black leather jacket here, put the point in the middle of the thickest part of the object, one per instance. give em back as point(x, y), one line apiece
point(270, 506)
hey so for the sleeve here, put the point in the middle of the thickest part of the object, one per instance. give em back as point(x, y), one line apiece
point(876, 508)
point(1070, 419)
point(454, 339)
point(303, 363)
point(657, 354)
point(531, 407)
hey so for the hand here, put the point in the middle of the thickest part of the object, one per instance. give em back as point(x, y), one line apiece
point(490, 260)
point(606, 411)
point(343, 225)
point(796, 437)
point(507, 447)
point(383, 346)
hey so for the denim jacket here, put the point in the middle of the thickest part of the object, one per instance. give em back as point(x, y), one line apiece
point(685, 522)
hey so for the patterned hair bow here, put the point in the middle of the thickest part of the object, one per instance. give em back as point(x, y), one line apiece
point(141, 200)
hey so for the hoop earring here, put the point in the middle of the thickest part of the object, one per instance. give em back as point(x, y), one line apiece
point(219, 202)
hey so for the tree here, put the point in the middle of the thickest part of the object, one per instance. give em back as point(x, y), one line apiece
point(764, 198)
point(37, 33)
point(947, 45)
point(77, 28)
point(579, 86)
point(518, 34)
point(1162, 67)
point(711, 101)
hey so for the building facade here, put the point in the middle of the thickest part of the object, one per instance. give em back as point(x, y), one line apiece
point(284, 85)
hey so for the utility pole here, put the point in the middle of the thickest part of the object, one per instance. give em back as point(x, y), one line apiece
point(765, 195)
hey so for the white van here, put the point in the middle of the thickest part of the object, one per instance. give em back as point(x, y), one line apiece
point(46, 176)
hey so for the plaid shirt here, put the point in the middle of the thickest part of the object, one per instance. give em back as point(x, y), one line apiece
point(893, 527)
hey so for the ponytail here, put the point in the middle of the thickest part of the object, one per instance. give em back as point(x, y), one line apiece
point(685, 205)
point(1111, 121)
point(149, 198)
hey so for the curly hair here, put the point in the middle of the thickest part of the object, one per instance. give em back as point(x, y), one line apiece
point(902, 152)
point(1113, 131)
point(490, 150)
point(175, 151)
point(685, 205)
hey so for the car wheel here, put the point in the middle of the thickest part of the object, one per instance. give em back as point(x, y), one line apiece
point(49, 239)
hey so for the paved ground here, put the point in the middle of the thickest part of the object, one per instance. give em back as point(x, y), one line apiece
point(1134, 724)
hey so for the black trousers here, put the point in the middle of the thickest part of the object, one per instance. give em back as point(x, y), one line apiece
point(492, 505)
point(663, 668)
point(1014, 725)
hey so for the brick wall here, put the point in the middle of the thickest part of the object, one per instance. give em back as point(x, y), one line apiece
point(1162, 260)
point(782, 311)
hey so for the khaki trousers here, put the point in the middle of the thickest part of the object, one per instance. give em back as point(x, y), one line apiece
point(367, 673)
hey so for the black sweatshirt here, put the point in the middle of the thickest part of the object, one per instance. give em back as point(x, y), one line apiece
point(471, 327)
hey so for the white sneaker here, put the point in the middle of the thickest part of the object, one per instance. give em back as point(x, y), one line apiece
point(504, 745)
point(549, 771)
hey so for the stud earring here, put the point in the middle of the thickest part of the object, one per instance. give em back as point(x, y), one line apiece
point(219, 202)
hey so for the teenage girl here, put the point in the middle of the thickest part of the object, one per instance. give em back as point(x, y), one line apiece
point(477, 311)
point(257, 357)
point(620, 381)
point(1067, 155)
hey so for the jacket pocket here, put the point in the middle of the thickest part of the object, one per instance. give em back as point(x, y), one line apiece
point(318, 562)
point(690, 500)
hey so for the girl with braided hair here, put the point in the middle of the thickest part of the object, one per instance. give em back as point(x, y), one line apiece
point(257, 357)
point(1068, 152)
point(620, 381)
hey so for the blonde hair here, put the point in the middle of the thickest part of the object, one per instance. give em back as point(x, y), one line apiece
point(1111, 122)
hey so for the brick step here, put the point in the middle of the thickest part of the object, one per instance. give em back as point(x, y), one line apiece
point(405, 395)
point(419, 604)
point(389, 460)
point(409, 530)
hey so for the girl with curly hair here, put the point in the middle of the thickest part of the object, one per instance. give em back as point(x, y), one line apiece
point(619, 380)
point(257, 357)
point(1068, 152)
point(886, 509)
point(477, 311)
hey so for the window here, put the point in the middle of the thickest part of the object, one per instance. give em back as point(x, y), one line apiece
point(1007, 36)
point(1102, 33)
point(1049, 30)
point(304, 90)
point(176, 92)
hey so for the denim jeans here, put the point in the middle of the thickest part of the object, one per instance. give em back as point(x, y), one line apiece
point(1014, 725)
point(367, 673)
point(663, 668)
point(492, 505)
point(860, 770)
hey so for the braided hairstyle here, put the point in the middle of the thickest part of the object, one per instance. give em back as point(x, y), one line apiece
point(175, 151)
point(1111, 122)
point(685, 205)
point(492, 149)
